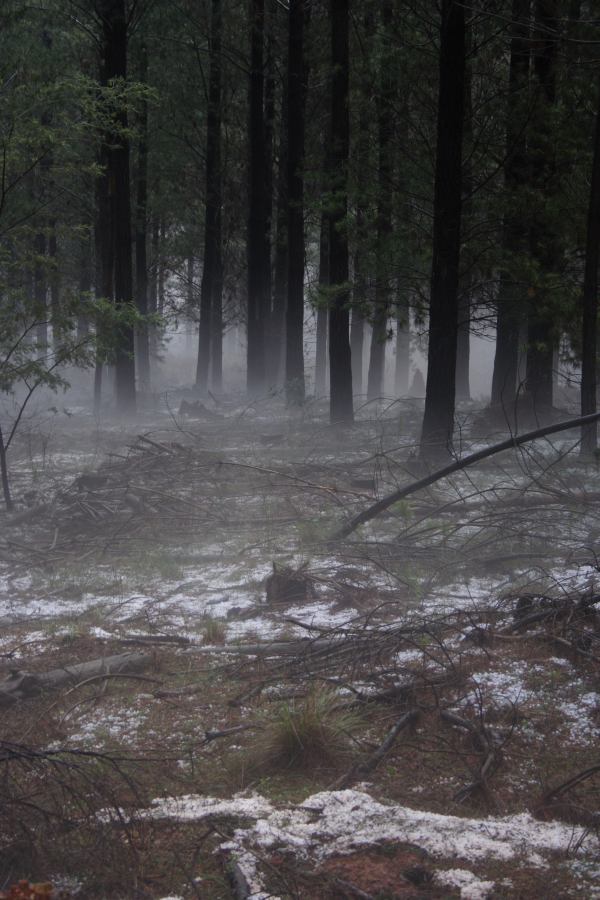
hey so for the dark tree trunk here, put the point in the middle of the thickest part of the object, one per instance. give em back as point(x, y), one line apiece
point(506, 361)
point(385, 129)
point(360, 290)
point(114, 39)
point(294, 360)
point(210, 303)
point(463, 336)
point(141, 238)
point(4, 475)
point(104, 265)
point(54, 279)
point(463, 347)
point(340, 363)
point(40, 292)
point(84, 287)
point(438, 420)
point(589, 338)
point(258, 240)
point(275, 357)
point(161, 266)
point(153, 281)
point(322, 312)
point(545, 247)
point(402, 348)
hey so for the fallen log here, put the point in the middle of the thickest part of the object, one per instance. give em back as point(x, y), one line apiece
point(515, 440)
point(20, 685)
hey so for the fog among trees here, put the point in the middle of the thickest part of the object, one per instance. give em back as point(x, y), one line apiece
point(298, 448)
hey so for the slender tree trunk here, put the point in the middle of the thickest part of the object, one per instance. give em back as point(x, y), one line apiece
point(294, 362)
point(385, 128)
point(104, 266)
point(438, 420)
point(141, 238)
point(114, 35)
point(258, 243)
point(275, 357)
point(210, 303)
point(322, 312)
point(360, 290)
point(463, 336)
point(161, 266)
point(545, 246)
point(506, 361)
point(402, 347)
point(153, 282)
point(4, 475)
point(40, 292)
point(340, 363)
point(589, 335)
point(84, 286)
point(54, 280)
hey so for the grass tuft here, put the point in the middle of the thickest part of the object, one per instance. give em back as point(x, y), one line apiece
point(307, 734)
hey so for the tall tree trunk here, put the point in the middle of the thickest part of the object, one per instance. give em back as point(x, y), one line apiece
point(506, 361)
point(402, 372)
point(40, 292)
point(294, 360)
point(545, 247)
point(463, 336)
point(385, 129)
point(54, 279)
point(360, 290)
point(114, 39)
point(258, 242)
point(438, 420)
point(104, 264)
point(589, 336)
point(84, 287)
point(153, 281)
point(211, 272)
point(275, 358)
point(322, 312)
point(141, 237)
point(340, 363)
point(161, 266)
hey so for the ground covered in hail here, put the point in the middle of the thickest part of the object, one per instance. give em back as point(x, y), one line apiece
point(204, 694)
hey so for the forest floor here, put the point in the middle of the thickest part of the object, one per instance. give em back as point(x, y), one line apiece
point(413, 711)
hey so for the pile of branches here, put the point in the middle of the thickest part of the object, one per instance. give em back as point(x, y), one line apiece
point(128, 497)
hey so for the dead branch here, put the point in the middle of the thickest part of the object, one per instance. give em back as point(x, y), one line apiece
point(22, 685)
point(514, 441)
point(371, 763)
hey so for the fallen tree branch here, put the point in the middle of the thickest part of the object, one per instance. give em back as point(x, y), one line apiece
point(514, 441)
point(24, 685)
point(371, 763)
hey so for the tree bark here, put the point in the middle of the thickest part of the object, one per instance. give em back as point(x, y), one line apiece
point(211, 285)
point(141, 237)
point(589, 334)
point(438, 420)
point(322, 312)
point(114, 46)
point(340, 364)
point(275, 357)
point(385, 129)
point(402, 348)
point(544, 243)
point(258, 239)
point(294, 361)
point(506, 360)
point(54, 279)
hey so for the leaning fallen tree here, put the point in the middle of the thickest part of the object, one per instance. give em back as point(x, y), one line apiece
point(516, 440)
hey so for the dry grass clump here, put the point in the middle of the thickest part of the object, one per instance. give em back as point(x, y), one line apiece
point(310, 733)
point(214, 630)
